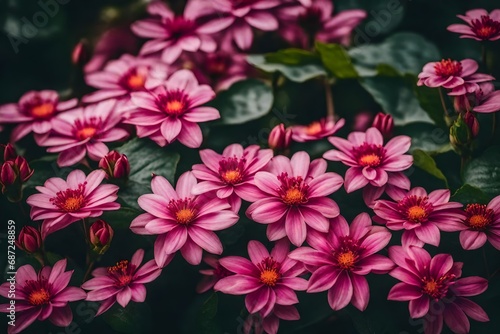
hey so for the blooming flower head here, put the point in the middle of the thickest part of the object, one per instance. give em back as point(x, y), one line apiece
point(294, 196)
point(41, 296)
point(171, 111)
point(212, 275)
point(431, 284)
point(61, 202)
point(421, 215)
point(181, 220)
point(122, 282)
point(172, 34)
point(372, 163)
point(33, 112)
point(257, 324)
point(231, 175)
point(83, 131)
point(268, 279)
point(340, 259)
point(121, 77)
point(480, 25)
point(482, 223)
point(316, 130)
point(458, 76)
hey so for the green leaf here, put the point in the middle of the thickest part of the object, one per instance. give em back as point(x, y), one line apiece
point(425, 162)
point(395, 96)
point(405, 52)
point(134, 319)
point(468, 194)
point(289, 63)
point(244, 101)
point(123, 217)
point(430, 101)
point(336, 59)
point(426, 137)
point(484, 172)
point(206, 317)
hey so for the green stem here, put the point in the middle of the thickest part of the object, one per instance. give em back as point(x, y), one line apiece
point(443, 104)
point(330, 108)
point(87, 272)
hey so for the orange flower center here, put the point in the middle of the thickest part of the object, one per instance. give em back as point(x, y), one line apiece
point(86, 132)
point(478, 216)
point(486, 27)
point(431, 287)
point(416, 213)
point(293, 191)
point(39, 297)
point(346, 260)
point(269, 277)
point(371, 160)
point(294, 196)
point(70, 200)
point(122, 273)
point(184, 216)
point(232, 170)
point(136, 81)
point(43, 110)
point(448, 67)
point(478, 221)
point(174, 107)
point(232, 176)
point(314, 128)
point(72, 204)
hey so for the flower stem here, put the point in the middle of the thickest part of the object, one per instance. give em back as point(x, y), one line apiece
point(443, 104)
point(330, 108)
point(89, 269)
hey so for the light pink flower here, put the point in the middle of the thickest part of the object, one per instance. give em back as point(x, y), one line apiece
point(122, 282)
point(267, 279)
point(121, 77)
point(212, 275)
point(482, 223)
point(33, 112)
point(172, 34)
point(487, 99)
point(374, 166)
point(181, 220)
point(83, 131)
point(316, 130)
point(61, 202)
point(295, 196)
point(421, 215)
point(459, 76)
point(42, 296)
point(435, 290)
point(231, 175)
point(257, 324)
point(340, 259)
point(171, 111)
point(480, 26)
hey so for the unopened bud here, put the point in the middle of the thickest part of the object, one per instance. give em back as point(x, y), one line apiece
point(29, 240)
point(280, 138)
point(100, 236)
point(384, 123)
point(115, 165)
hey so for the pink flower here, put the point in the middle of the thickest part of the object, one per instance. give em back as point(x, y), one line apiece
point(316, 130)
point(61, 203)
point(171, 112)
point(269, 324)
point(339, 260)
point(487, 99)
point(122, 282)
point(121, 77)
point(267, 279)
point(42, 296)
point(295, 196)
point(421, 215)
point(83, 131)
point(459, 76)
point(172, 34)
point(213, 275)
point(33, 112)
point(181, 220)
point(231, 175)
point(384, 123)
point(372, 165)
point(482, 223)
point(480, 26)
point(435, 290)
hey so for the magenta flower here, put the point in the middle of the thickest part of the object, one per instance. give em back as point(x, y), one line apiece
point(459, 76)
point(316, 130)
point(480, 26)
point(482, 223)
point(33, 112)
point(421, 215)
point(231, 175)
point(61, 203)
point(371, 163)
point(340, 259)
point(171, 34)
point(295, 196)
point(269, 324)
point(122, 282)
point(267, 279)
point(181, 220)
point(121, 77)
point(171, 112)
point(487, 99)
point(83, 131)
point(42, 296)
point(435, 290)
point(213, 275)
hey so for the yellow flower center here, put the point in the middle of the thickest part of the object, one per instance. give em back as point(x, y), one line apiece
point(294, 196)
point(72, 204)
point(136, 82)
point(39, 297)
point(314, 128)
point(174, 107)
point(431, 287)
point(43, 110)
point(371, 160)
point(86, 132)
point(346, 260)
point(232, 176)
point(269, 277)
point(184, 216)
point(416, 213)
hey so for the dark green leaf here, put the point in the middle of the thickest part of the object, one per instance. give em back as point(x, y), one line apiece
point(336, 59)
point(431, 102)
point(468, 194)
point(134, 319)
point(123, 217)
point(291, 65)
point(425, 162)
point(484, 172)
point(206, 317)
point(426, 137)
point(132, 191)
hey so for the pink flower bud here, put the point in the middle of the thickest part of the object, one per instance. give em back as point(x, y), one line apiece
point(8, 175)
point(100, 236)
point(80, 54)
point(280, 138)
point(472, 123)
point(115, 165)
point(8, 152)
point(384, 123)
point(24, 169)
point(29, 240)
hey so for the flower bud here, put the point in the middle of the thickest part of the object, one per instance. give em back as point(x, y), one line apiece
point(115, 165)
point(460, 136)
point(473, 124)
point(13, 174)
point(280, 138)
point(7, 175)
point(80, 54)
point(384, 123)
point(29, 240)
point(7, 152)
point(100, 236)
